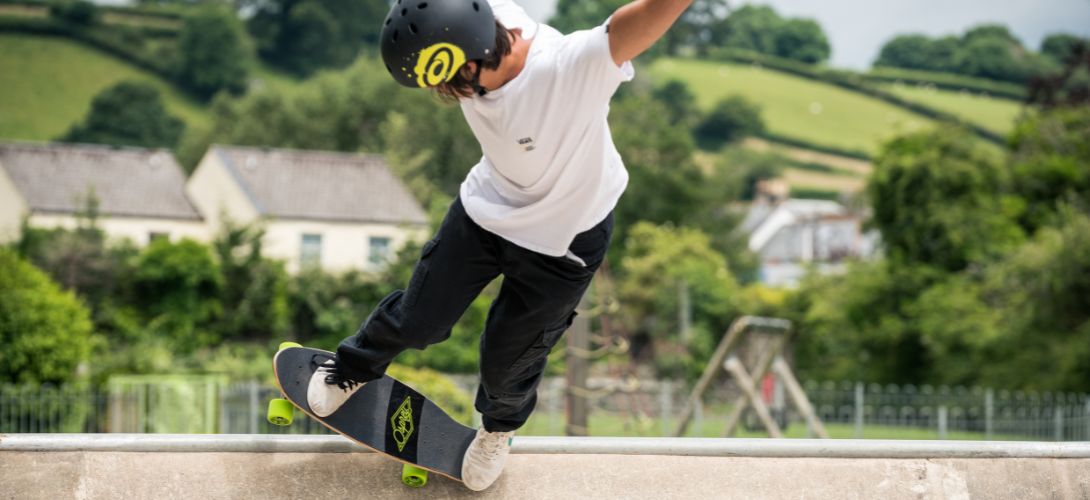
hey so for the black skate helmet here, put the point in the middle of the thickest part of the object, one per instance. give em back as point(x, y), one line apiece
point(426, 42)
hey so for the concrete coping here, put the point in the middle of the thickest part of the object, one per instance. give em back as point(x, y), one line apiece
point(697, 447)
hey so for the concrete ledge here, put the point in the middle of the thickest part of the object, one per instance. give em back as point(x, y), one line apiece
point(122, 467)
point(688, 447)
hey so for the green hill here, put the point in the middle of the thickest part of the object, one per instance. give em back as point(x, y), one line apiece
point(49, 82)
point(795, 107)
point(994, 114)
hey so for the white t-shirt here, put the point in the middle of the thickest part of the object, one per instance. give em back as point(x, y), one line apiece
point(550, 169)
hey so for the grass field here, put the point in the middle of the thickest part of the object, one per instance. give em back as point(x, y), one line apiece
point(48, 84)
point(793, 106)
point(996, 115)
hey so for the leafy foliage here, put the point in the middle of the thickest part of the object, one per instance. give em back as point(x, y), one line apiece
point(937, 201)
point(178, 285)
point(1051, 163)
point(760, 29)
point(657, 260)
point(78, 12)
point(213, 54)
point(732, 119)
point(130, 113)
point(664, 182)
point(985, 51)
point(303, 36)
point(46, 331)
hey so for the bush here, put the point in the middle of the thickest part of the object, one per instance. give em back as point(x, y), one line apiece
point(178, 287)
point(732, 119)
point(129, 113)
point(45, 332)
point(79, 12)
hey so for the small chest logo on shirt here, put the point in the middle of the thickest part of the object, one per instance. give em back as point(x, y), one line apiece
point(527, 143)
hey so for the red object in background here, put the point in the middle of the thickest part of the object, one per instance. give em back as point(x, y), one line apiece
point(768, 384)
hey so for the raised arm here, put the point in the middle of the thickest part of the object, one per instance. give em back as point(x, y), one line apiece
point(635, 27)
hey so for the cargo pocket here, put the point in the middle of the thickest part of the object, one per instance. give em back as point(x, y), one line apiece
point(538, 351)
point(420, 273)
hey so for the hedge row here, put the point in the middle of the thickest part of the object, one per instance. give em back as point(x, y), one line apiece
point(172, 12)
point(814, 193)
point(849, 80)
point(123, 42)
point(947, 81)
point(821, 148)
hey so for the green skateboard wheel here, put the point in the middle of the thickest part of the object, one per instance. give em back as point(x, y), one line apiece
point(285, 345)
point(280, 412)
point(414, 476)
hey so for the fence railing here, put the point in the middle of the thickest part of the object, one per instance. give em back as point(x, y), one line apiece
point(619, 407)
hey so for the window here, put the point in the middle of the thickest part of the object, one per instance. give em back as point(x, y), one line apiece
point(155, 236)
point(310, 253)
point(379, 251)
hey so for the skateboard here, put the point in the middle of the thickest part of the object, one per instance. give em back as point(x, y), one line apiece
point(385, 415)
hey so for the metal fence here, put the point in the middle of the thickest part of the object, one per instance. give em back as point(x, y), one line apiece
point(619, 407)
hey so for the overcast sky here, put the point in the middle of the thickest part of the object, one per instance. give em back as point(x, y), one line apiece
point(858, 28)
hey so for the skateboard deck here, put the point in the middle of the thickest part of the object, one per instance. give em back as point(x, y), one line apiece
point(385, 415)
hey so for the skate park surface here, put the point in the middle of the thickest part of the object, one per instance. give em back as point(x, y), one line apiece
point(131, 466)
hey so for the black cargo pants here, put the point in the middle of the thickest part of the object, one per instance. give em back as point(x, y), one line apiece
point(536, 304)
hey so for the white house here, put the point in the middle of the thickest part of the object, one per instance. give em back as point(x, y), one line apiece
point(140, 193)
point(339, 211)
point(792, 236)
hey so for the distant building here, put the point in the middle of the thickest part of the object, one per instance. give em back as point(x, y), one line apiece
point(139, 193)
point(793, 236)
point(338, 211)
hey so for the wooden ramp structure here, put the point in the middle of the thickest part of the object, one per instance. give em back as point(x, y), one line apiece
point(769, 358)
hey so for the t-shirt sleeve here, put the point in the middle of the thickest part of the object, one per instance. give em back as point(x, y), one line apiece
point(587, 66)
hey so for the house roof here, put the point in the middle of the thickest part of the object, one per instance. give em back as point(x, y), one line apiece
point(320, 185)
point(764, 221)
point(132, 182)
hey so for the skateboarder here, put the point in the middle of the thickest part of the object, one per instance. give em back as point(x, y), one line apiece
point(537, 209)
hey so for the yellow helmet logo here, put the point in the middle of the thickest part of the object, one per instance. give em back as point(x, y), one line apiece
point(438, 64)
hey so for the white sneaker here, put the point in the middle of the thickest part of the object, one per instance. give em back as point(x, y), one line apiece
point(484, 458)
point(328, 390)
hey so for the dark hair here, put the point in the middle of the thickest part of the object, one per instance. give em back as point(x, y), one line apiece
point(461, 86)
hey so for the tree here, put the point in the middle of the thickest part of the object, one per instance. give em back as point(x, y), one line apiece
point(80, 12)
point(665, 184)
point(303, 36)
point(860, 325)
point(732, 119)
point(991, 32)
point(658, 259)
point(751, 28)
point(308, 39)
point(1050, 164)
point(213, 52)
point(46, 332)
point(178, 287)
point(1043, 294)
point(989, 57)
point(906, 51)
point(802, 40)
point(130, 113)
point(254, 292)
point(573, 15)
point(938, 201)
point(1061, 46)
point(680, 102)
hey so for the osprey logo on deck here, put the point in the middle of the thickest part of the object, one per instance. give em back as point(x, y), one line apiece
point(402, 423)
point(527, 143)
